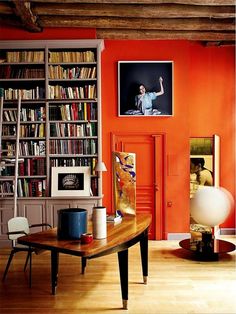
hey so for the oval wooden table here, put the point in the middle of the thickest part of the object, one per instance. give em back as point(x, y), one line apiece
point(121, 236)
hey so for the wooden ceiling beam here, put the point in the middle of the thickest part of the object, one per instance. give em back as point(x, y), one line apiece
point(4, 8)
point(135, 10)
point(207, 21)
point(135, 23)
point(23, 11)
point(164, 35)
point(188, 2)
point(10, 21)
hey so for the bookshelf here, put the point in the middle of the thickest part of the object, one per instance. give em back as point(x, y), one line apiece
point(60, 124)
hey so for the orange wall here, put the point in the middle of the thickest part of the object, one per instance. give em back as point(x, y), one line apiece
point(204, 104)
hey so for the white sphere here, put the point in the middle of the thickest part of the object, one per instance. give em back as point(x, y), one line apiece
point(211, 206)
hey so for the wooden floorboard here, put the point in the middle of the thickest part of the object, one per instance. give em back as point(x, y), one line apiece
point(177, 283)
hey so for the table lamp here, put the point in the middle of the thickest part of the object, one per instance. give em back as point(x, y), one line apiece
point(100, 167)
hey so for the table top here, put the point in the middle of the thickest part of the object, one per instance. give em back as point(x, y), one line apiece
point(217, 246)
point(117, 234)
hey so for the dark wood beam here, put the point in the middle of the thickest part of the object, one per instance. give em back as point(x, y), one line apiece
point(10, 21)
point(189, 2)
point(135, 10)
point(23, 11)
point(164, 35)
point(4, 8)
point(136, 23)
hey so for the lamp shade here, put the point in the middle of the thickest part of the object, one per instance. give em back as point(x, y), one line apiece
point(100, 166)
point(211, 206)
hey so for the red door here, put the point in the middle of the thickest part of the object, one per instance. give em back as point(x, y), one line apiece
point(149, 150)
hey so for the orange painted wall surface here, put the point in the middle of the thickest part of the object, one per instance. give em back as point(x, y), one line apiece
point(204, 104)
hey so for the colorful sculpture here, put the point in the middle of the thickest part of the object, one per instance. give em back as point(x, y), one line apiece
point(124, 176)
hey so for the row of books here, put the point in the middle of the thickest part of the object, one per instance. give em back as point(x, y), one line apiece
point(13, 72)
point(25, 56)
point(75, 162)
point(31, 187)
point(9, 130)
point(10, 115)
point(35, 93)
point(71, 56)
point(37, 166)
point(32, 130)
point(59, 72)
point(6, 187)
point(72, 129)
point(32, 167)
point(65, 112)
point(7, 171)
point(8, 148)
point(36, 114)
point(34, 187)
point(94, 186)
point(32, 148)
point(75, 111)
point(75, 92)
point(81, 147)
point(27, 114)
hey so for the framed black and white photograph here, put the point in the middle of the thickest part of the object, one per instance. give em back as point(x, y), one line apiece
point(145, 88)
point(70, 181)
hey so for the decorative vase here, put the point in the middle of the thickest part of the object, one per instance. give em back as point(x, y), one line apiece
point(72, 223)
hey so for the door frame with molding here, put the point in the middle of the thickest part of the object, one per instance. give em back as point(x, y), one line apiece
point(159, 174)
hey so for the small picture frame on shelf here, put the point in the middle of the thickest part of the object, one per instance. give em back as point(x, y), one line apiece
point(145, 88)
point(70, 181)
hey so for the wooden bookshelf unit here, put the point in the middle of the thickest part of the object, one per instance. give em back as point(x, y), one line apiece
point(60, 122)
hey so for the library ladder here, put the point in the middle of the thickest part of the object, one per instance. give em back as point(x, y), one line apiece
point(7, 161)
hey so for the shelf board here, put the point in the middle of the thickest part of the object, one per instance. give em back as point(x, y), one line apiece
point(72, 137)
point(72, 156)
point(22, 79)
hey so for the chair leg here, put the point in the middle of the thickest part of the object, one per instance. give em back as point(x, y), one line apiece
point(27, 259)
point(8, 264)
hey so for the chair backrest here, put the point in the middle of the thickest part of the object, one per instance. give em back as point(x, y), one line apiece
point(17, 224)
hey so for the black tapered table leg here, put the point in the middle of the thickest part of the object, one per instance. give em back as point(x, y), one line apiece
point(144, 255)
point(84, 263)
point(123, 266)
point(54, 270)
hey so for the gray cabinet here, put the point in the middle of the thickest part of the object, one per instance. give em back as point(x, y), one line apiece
point(42, 210)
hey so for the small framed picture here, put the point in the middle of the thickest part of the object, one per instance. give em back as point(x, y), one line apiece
point(145, 88)
point(70, 181)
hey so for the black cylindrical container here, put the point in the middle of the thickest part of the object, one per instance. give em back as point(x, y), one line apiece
point(72, 222)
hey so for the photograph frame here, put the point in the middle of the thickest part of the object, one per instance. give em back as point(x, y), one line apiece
point(70, 181)
point(133, 74)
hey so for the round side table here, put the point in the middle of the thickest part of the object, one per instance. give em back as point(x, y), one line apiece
point(207, 250)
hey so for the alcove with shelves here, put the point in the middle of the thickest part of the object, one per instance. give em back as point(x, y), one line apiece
point(60, 119)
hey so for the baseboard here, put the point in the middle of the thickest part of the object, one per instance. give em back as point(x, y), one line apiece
point(178, 236)
point(227, 231)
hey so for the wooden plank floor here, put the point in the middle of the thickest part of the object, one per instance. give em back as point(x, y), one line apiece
point(176, 284)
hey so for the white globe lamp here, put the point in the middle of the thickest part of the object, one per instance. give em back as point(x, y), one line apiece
point(211, 206)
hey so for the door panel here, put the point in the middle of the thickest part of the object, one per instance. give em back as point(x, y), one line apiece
point(149, 175)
